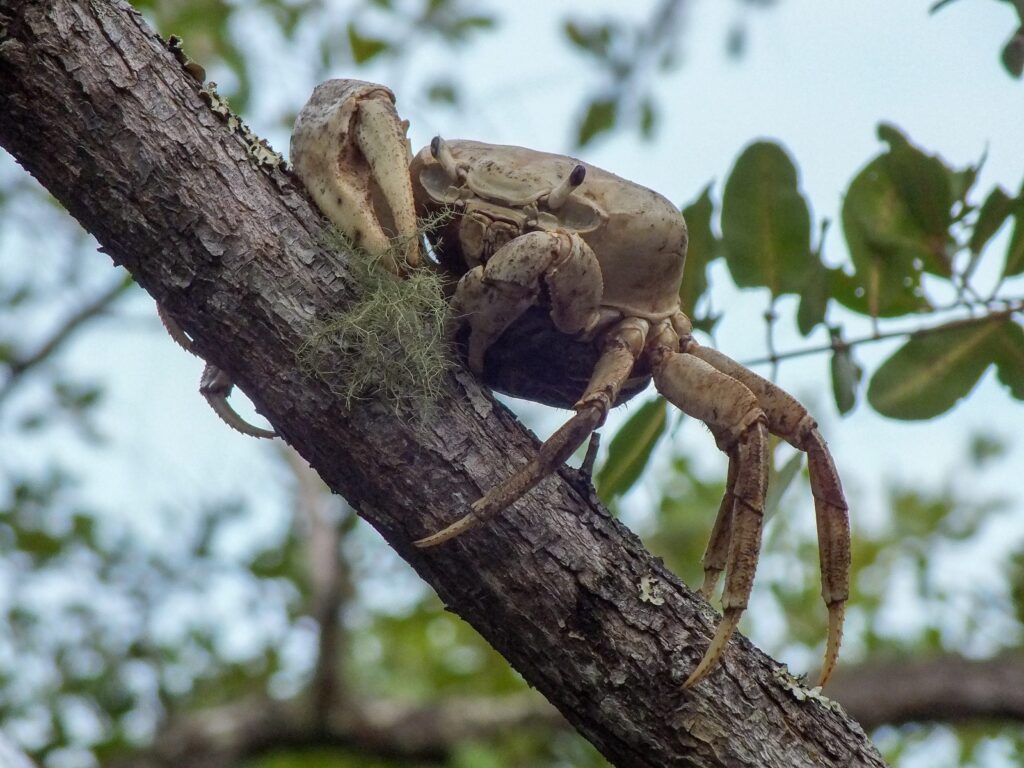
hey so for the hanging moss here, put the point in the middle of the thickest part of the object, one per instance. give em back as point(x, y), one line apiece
point(393, 344)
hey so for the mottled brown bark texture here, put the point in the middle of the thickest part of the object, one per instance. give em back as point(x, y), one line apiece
point(97, 109)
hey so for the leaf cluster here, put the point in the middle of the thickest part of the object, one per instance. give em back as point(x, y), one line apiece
point(913, 232)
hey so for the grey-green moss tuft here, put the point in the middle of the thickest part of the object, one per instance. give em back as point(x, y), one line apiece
point(392, 345)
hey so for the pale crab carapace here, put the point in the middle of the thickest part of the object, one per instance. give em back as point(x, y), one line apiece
point(546, 246)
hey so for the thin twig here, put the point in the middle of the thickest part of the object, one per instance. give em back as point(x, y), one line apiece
point(846, 344)
point(19, 366)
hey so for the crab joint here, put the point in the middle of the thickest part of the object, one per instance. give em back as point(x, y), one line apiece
point(443, 154)
point(566, 186)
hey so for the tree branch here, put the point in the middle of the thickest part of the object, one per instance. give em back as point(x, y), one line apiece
point(19, 365)
point(946, 688)
point(1013, 307)
point(382, 729)
point(104, 116)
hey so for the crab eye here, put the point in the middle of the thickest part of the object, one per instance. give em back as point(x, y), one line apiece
point(442, 152)
point(558, 195)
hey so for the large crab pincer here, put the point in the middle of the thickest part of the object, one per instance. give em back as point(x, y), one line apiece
point(594, 262)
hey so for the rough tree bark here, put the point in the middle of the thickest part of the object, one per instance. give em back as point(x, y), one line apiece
point(97, 109)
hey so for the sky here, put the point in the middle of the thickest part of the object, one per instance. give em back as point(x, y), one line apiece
point(817, 76)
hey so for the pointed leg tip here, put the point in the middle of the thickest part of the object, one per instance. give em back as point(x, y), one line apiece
point(447, 534)
point(717, 647)
point(698, 674)
point(836, 614)
point(229, 416)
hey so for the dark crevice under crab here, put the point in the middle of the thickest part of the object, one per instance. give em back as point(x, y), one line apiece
point(569, 294)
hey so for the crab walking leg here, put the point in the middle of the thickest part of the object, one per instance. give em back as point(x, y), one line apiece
point(495, 294)
point(173, 329)
point(349, 148)
point(717, 553)
point(214, 385)
point(788, 419)
point(732, 413)
point(622, 346)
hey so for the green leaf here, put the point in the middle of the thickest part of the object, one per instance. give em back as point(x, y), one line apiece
point(701, 249)
point(40, 544)
point(1015, 250)
point(994, 211)
point(460, 30)
point(766, 224)
point(1010, 358)
point(595, 39)
point(846, 376)
point(960, 182)
point(814, 298)
point(896, 219)
point(929, 374)
point(443, 92)
point(600, 117)
point(364, 48)
point(984, 447)
point(1013, 54)
point(925, 186)
point(648, 118)
point(886, 248)
point(630, 450)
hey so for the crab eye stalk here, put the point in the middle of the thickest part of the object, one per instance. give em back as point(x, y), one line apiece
point(558, 195)
point(443, 154)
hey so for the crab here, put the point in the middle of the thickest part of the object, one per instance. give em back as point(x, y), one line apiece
point(568, 294)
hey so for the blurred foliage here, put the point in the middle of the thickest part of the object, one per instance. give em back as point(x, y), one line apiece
point(627, 54)
point(110, 633)
point(913, 230)
point(1012, 54)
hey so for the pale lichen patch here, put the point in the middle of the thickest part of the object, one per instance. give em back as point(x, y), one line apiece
point(802, 693)
point(259, 149)
point(651, 590)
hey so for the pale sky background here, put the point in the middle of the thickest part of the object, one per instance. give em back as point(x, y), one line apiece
point(817, 75)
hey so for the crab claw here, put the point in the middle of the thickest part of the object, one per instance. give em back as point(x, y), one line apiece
point(350, 150)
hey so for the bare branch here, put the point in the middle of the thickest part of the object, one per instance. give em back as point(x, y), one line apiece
point(381, 729)
point(20, 365)
point(944, 688)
